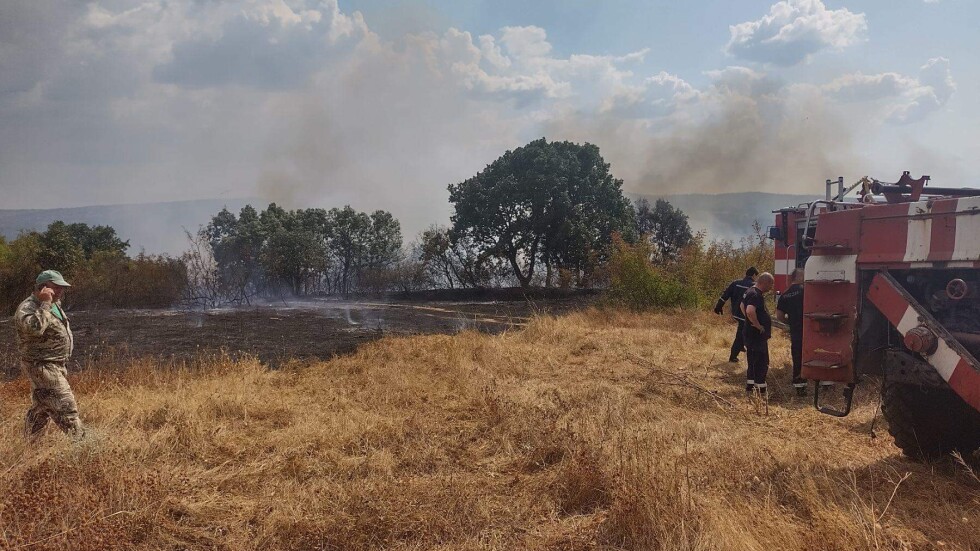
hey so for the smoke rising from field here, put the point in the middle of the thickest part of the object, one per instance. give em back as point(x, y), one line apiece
point(391, 129)
point(382, 130)
point(757, 142)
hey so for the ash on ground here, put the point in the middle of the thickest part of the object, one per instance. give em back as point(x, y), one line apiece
point(273, 333)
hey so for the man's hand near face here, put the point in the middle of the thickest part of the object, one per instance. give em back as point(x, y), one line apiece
point(46, 295)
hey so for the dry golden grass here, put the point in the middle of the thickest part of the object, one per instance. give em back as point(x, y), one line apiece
point(598, 430)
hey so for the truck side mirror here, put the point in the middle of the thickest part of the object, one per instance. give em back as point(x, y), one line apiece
point(775, 233)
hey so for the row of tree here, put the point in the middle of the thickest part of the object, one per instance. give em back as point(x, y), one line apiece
point(300, 252)
point(545, 214)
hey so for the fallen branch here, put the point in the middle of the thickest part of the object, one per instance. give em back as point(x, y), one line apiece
point(683, 380)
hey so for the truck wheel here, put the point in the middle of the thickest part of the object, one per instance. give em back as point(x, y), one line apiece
point(929, 422)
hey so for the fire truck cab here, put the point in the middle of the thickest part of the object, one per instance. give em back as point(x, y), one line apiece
point(892, 288)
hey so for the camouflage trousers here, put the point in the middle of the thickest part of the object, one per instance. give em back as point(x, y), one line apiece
point(51, 398)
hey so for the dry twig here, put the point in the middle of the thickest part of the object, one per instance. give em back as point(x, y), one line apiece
point(683, 380)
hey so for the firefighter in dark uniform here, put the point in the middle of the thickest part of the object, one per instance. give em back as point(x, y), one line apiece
point(789, 310)
point(758, 329)
point(734, 293)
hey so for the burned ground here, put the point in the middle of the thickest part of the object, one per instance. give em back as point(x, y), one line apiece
point(277, 332)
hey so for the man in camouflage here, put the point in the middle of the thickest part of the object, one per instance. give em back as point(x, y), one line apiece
point(45, 340)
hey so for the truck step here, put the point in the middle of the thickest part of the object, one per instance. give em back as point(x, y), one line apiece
point(827, 282)
point(833, 248)
point(826, 316)
point(822, 364)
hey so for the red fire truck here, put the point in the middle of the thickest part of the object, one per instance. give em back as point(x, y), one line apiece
point(892, 289)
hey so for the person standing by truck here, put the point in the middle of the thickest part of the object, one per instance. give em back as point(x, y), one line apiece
point(758, 329)
point(734, 293)
point(789, 310)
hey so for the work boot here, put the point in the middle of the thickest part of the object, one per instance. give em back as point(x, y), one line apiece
point(763, 390)
point(800, 385)
point(733, 359)
point(749, 387)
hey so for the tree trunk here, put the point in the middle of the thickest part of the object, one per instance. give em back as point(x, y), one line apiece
point(524, 280)
point(449, 275)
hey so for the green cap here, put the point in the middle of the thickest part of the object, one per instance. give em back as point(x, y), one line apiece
point(51, 276)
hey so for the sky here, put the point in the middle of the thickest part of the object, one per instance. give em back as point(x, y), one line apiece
point(381, 104)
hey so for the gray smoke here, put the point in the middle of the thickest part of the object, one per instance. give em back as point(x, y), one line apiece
point(757, 142)
point(381, 130)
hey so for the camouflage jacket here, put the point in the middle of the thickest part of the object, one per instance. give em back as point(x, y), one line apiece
point(42, 337)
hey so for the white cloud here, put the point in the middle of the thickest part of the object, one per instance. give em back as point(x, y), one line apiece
point(742, 81)
point(904, 98)
point(265, 44)
point(794, 30)
point(525, 43)
point(655, 96)
point(862, 87)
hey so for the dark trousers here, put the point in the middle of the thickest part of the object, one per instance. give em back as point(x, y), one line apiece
point(758, 357)
point(796, 348)
point(738, 345)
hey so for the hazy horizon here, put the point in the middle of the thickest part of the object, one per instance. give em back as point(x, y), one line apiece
point(158, 227)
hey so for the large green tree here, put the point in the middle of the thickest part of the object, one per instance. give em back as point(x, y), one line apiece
point(65, 246)
point(665, 226)
point(550, 202)
point(384, 241)
point(97, 239)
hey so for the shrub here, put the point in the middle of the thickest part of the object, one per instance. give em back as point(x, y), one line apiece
point(707, 267)
point(102, 278)
point(636, 283)
point(113, 281)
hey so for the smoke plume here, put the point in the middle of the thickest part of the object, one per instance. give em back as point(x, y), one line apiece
point(783, 142)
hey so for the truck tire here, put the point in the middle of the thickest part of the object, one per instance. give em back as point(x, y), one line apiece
point(929, 422)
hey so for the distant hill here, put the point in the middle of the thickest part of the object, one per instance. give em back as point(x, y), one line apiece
point(153, 227)
point(729, 215)
point(158, 227)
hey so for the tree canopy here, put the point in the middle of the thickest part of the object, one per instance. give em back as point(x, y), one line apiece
point(665, 226)
point(301, 251)
point(554, 203)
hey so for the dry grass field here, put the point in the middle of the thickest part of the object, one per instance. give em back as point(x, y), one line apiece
point(595, 430)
